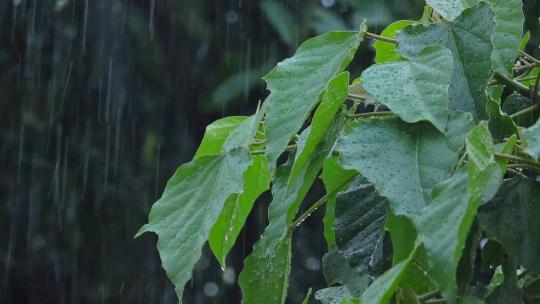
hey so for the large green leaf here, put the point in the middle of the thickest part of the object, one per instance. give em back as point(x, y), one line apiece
point(416, 89)
point(359, 226)
point(195, 196)
point(531, 136)
point(386, 51)
point(297, 83)
point(237, 208)
point(511, 218)
point(469, 38)
point(189, 207)
point(334, 179)
point(509, 20)
point(403, 161)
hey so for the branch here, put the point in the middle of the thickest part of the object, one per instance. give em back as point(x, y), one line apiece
point(381, 38)
point(525, 111)
point(516, 86)
point(518, 159)
point(371, 114)
point(317, 204)
point(262, 152)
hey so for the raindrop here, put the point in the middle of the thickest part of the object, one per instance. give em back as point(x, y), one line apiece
point(229, 276)
point(328, 3)
point(231, 17)
point(210, 289)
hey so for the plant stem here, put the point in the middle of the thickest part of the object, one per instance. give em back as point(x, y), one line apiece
point(371, 114)
point(518, 159)
point(317, 204)
point(427, 296)
point(381, 38)
point(529, 57)
point(527, 166)
point(516, 86)
point(525, 111)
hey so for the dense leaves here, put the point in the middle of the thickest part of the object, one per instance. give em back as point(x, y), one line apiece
point(422, 199)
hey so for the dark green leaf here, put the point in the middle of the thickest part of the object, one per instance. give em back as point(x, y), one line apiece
point(515, 103)
point(531, 136)
point(511, 218)
point(333, 295)
point(359, 226)
point(337, 271)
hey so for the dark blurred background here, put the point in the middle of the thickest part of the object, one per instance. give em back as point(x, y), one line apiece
point(100, 101)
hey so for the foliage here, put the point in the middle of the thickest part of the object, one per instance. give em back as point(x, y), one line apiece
point(417, 190)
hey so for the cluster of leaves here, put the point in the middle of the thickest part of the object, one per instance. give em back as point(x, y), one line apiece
point(433, 196)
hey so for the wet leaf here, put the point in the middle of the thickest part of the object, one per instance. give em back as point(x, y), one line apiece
point(297, 83)
point(531, 136)
point(386, 51)
point(416, 89)
point(469, 38)
point(402, 161)
point(216, 133)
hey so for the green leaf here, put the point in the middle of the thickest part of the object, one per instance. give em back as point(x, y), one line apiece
point(444, 224)
point(266, 276)
point(511, 218)
point(508, 291)
point(359, 226)
point(333, 98)
point(531, 136)
point(333, 178)
point(337, 271)
point(297, 83)
point(308, 295)
point(500, 125)
point(333, 295)
point(450, 9)
point(386, 51)
point(524, 41)
point(469, 38)
point(237, 208)
point(216, 133)
point(271, 284)
point(381, 291)
point(403, 161)
point(189, 207)
point(282, 20)
point(515, 103)
point(480, 146)
point(416, 89)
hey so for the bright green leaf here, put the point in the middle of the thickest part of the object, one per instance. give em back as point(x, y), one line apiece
point(416, 89)
point(216, 133)
point(386, 51)
point(469, 37)
point(480, 148)
point(525, 40)
point(297, 83)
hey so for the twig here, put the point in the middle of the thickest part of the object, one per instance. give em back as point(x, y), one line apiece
point(262, 152)
point(381, 38)
point(371, 114)
point(522, 53)
point(428, 296)
point(317, 204)
point(518, 159)
point(516, 86)
point(527, 166)
point(525, 111)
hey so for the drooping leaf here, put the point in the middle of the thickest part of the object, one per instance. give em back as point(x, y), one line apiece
point(381, 291)
point(359, 226)
point(287, 196)
point(266, 276)
point(386, 51)
point(216, 133)
point(297, 82)
point(416, 89)
point(189, 207)
point(511, 218)
point(237, 208)
point(334, 178)
point(469, 38)
point(531, 136)
point(402, 161)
